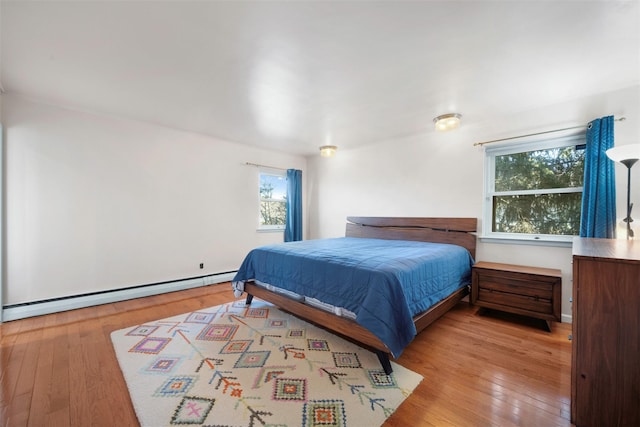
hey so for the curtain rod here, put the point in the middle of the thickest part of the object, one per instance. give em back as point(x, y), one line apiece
point(264, 166)
point(621, 119)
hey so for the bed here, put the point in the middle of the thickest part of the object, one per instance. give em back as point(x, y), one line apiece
point(381, 284)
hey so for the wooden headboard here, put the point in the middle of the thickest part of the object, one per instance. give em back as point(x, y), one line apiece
point(456, 231)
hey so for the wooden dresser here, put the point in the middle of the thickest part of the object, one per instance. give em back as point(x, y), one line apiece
point(605, 368)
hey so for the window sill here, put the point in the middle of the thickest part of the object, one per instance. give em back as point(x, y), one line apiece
point(270, 230)
point(565, 242)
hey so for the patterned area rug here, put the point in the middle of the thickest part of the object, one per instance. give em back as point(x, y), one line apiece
point(234, 365)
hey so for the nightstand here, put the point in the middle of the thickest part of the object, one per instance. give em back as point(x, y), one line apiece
point(528, 291)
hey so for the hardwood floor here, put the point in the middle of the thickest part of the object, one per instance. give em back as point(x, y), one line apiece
point(490, 370)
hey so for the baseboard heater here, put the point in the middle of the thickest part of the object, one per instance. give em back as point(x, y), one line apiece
point(55, 305)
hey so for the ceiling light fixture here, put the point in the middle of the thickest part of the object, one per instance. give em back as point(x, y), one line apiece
point(447, 122)
point(328, 150)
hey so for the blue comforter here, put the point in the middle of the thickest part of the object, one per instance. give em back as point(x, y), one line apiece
point(384, 282)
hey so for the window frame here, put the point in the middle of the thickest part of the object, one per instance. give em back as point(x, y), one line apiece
point(491, 153)
point(272, 172)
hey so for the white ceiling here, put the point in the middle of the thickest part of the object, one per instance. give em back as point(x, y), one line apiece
point(295, 75)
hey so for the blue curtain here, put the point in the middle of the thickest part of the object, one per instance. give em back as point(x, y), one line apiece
point(293, 227)
point(598, 217)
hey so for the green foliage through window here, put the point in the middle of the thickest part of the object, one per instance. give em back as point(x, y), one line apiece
point(273, 200)
point(557, 213)
point(538, 191)
point(540, 169)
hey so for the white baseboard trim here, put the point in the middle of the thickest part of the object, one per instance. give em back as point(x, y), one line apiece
point(566, 318)
point(82, 301)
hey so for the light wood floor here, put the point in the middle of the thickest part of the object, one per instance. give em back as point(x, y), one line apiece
point(489, 370)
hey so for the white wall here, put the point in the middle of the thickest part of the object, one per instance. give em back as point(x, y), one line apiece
point(441, 174)
point(98, 203)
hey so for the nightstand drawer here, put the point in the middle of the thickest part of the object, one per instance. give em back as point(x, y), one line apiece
point(525, 287)
point(525, 302)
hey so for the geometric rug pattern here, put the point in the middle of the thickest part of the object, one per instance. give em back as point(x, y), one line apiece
point(237, 365)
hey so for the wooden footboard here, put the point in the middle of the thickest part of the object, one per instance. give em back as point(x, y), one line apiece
point(347, 327)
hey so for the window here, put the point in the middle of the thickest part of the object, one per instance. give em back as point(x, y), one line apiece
point(273, 199)
point(534, 190)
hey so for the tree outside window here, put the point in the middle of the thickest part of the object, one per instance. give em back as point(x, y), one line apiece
point(273, 199)
point(536, 189)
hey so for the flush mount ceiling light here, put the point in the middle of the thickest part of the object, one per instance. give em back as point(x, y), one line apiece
point(328, 150)
point(447, 122)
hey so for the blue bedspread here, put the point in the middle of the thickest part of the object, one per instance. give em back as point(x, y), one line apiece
point(384, 282)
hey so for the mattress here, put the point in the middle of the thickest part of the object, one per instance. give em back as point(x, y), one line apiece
point(238, 290)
